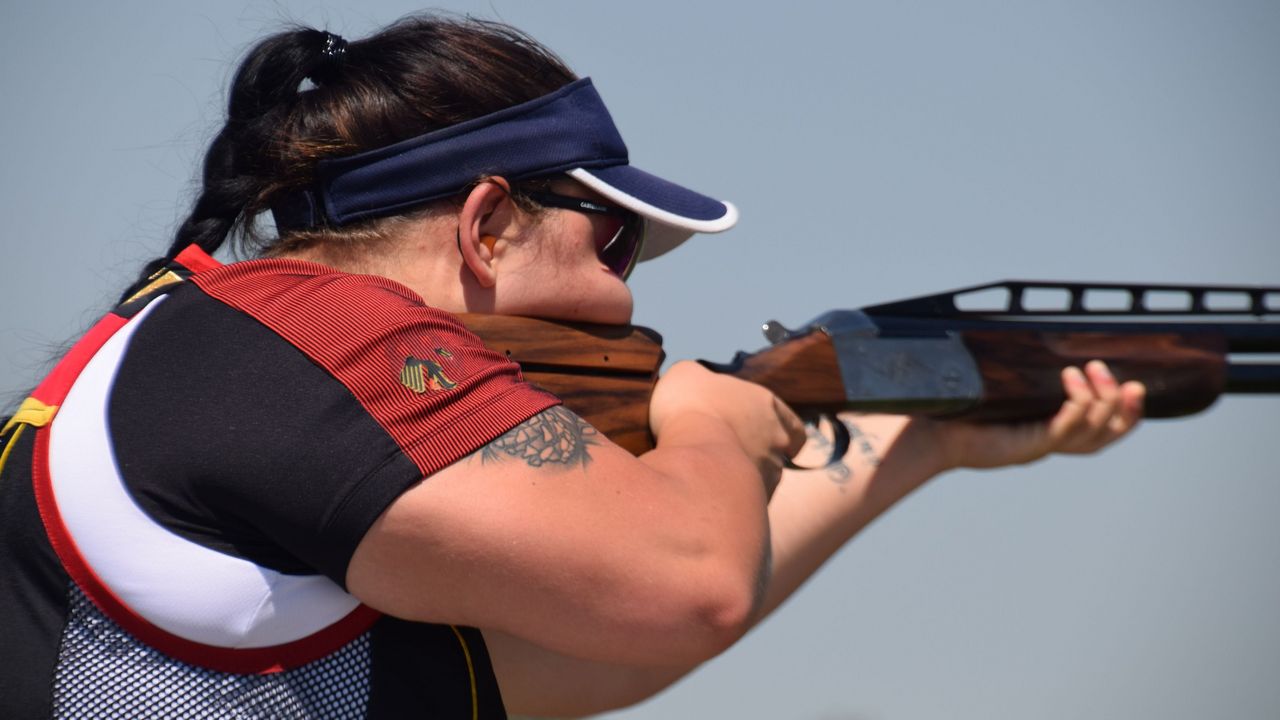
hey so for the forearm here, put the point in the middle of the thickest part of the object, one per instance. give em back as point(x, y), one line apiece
point(813, 513)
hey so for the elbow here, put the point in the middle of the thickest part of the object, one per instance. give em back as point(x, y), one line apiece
point(740, 609)
point(719, 615)
point(717, 601)
point(737, 605)
point(726, 623)
point(682, 620)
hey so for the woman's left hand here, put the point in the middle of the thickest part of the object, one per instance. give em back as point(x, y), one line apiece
point(1097, 412)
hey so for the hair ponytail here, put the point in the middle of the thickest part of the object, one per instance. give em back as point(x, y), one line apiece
point(420, 74)
point(237, 167)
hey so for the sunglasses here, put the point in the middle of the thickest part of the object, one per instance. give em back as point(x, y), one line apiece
point(618, 245)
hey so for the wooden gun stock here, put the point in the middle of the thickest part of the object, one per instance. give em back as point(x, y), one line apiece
point(604, 373)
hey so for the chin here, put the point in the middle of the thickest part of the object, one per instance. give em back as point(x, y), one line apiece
point(613, 309)
point(599, 313)
point(604, 300)
point(622, 318)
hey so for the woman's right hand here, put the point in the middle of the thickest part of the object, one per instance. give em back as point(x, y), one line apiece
point(767, 431)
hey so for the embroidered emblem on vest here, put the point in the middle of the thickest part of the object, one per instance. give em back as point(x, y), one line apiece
point(421, 375)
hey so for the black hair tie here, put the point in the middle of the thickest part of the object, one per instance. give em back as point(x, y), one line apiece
point(335, 47)
point(332, 56)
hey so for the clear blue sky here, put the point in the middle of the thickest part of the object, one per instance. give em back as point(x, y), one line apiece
point(877, 151)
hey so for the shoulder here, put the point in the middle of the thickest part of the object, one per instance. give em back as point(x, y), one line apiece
point(430, 382)
point(285, 294)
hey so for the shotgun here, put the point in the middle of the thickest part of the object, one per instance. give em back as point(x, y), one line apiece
point(989, 352)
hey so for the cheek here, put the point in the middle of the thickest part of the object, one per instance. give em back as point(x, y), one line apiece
point(556, 247)
point(557, 275)
point(591, 294)
point(575, 248)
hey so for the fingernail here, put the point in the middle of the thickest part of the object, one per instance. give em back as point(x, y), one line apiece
point(1101, 369)
point(1075, 375)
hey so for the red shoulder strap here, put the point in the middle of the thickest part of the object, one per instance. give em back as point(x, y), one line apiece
point(196, 259)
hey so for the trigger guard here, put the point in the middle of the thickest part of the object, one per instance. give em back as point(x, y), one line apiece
point(839, 446)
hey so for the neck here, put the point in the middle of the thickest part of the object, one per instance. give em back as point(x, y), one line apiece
point(425, 263)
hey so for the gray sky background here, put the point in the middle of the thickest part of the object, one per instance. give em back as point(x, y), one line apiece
point(877, 151)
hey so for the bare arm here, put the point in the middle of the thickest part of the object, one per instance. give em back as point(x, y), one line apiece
point(811, 514)
point(553, 534)
point(814, 512)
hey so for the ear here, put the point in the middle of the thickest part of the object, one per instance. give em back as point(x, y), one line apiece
point(486, 216)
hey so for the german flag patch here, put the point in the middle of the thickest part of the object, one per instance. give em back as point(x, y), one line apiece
point(422, 375)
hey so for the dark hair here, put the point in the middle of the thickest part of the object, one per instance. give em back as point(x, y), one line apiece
point(420, 74)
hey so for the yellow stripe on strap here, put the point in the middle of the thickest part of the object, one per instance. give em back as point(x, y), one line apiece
point(31, 412)
point(8, 448)
point(471, 671)
point(162, 278)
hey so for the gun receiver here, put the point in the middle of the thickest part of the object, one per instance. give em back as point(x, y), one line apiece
point(931, 355)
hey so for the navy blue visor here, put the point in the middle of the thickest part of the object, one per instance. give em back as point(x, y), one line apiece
point(568, 132)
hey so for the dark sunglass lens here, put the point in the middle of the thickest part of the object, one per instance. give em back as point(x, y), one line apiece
point(623, 245)
point(610, 241)
point(620, 232)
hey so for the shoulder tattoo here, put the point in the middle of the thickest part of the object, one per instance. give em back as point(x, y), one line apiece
point(555, 436)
